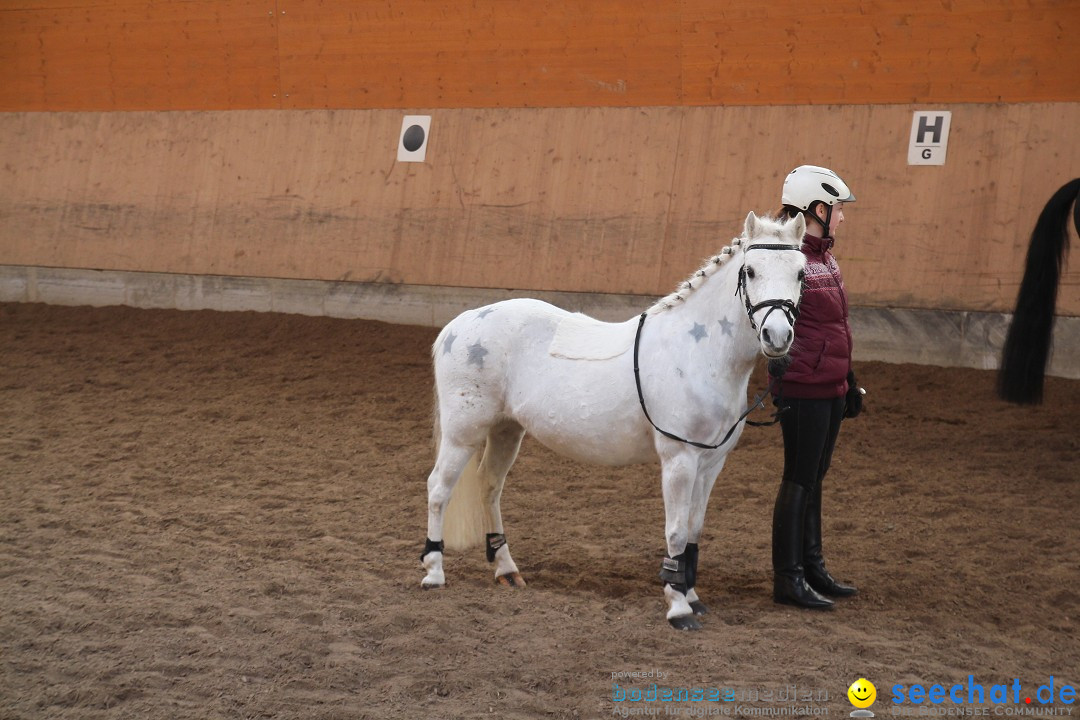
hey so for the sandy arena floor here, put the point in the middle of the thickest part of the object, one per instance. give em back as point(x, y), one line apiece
point(207, 515)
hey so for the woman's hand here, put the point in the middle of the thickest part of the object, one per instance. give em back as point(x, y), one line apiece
point(854, 398)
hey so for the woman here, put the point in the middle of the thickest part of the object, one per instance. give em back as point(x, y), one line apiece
point(817, 388)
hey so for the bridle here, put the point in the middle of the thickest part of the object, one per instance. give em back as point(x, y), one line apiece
point(790, 310)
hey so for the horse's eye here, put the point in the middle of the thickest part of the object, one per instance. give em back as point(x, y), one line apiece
point(750, 273)
point(802, 275)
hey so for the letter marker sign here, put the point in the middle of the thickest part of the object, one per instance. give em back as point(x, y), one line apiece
point(929, 137)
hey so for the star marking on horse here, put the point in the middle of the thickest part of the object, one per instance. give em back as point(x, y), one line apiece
point(725, 326)
point(484, 313)
point(448, 343)
point(698, 332)
point(476, 355)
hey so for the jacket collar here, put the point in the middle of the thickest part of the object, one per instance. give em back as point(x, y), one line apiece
point(816, 244)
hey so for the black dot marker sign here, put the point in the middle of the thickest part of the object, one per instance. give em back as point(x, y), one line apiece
point(412, 144)
point(413, 138)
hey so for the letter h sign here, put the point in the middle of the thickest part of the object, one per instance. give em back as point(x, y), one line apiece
point(929, 137)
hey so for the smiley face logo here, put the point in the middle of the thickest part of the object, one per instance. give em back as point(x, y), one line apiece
point(862, 693)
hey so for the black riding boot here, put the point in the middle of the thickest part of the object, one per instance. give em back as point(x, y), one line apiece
point(789, 581)
point(817, 576)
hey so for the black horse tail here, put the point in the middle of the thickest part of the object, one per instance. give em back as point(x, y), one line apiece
point(1027, 343)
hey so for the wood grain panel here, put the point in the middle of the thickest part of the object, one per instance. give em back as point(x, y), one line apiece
point(138, 54)
point(484, 53)
point(578, 199)
point(246, 54)
point(949, 237)
point(881, 51)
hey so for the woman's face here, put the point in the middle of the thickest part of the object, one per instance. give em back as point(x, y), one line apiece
point(837, 216)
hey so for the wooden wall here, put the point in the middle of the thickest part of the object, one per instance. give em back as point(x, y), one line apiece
point(598, 146)
point(263, 54)
point(619, 200)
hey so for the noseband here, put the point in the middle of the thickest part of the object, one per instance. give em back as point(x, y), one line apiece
point(789, 308)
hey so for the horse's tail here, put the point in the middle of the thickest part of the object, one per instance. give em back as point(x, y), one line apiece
point(1027, 343)
point(466, 520)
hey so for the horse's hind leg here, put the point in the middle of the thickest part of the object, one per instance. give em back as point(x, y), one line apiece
point(503, 442)
point(448, 466)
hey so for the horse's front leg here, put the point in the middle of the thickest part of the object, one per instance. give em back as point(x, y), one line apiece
point(698, 505)
point(678, 475)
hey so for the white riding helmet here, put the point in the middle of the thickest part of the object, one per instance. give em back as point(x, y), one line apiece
point(808, 184)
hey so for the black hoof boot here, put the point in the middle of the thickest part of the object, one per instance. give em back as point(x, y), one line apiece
point(674, 572)
point(685, 622)
point(789, 590)
point(818, 578)
point(691, 554)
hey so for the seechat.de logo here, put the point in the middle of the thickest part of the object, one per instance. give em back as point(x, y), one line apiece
point(862, 695)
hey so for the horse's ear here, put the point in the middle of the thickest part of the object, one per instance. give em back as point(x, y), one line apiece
point(798, 226)
point(751, 224)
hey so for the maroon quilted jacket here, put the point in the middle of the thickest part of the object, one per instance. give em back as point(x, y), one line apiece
point(821, 353)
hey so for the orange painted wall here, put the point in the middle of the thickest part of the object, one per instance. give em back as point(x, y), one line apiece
point(263, 54)
point(136, 54)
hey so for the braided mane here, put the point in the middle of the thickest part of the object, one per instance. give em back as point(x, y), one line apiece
point(692, 283)
point(767, 226)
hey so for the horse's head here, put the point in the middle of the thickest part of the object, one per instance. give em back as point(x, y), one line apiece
point(771, 279)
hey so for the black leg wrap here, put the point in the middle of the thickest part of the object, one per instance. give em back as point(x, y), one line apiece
point(430, 546)
point(691, 554)
point(673, 572)
point(494, 542)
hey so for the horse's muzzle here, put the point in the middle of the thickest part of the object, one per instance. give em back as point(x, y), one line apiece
point(776, 341)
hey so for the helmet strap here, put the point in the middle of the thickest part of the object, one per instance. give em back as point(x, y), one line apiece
point(824, 223)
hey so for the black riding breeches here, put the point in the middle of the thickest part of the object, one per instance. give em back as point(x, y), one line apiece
point(810, 428)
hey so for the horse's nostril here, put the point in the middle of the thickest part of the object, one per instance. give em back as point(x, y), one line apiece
point(765, 335)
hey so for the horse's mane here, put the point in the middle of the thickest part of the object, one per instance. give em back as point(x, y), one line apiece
point(769, 226)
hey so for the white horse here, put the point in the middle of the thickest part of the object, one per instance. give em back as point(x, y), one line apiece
point(526, 366)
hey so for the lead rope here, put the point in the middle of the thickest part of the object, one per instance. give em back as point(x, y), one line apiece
point(758, 402)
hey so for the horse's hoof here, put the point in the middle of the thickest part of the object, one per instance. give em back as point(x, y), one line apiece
point(427, 585)
point(699, 608)
point(685, 622)
point(513, 580)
